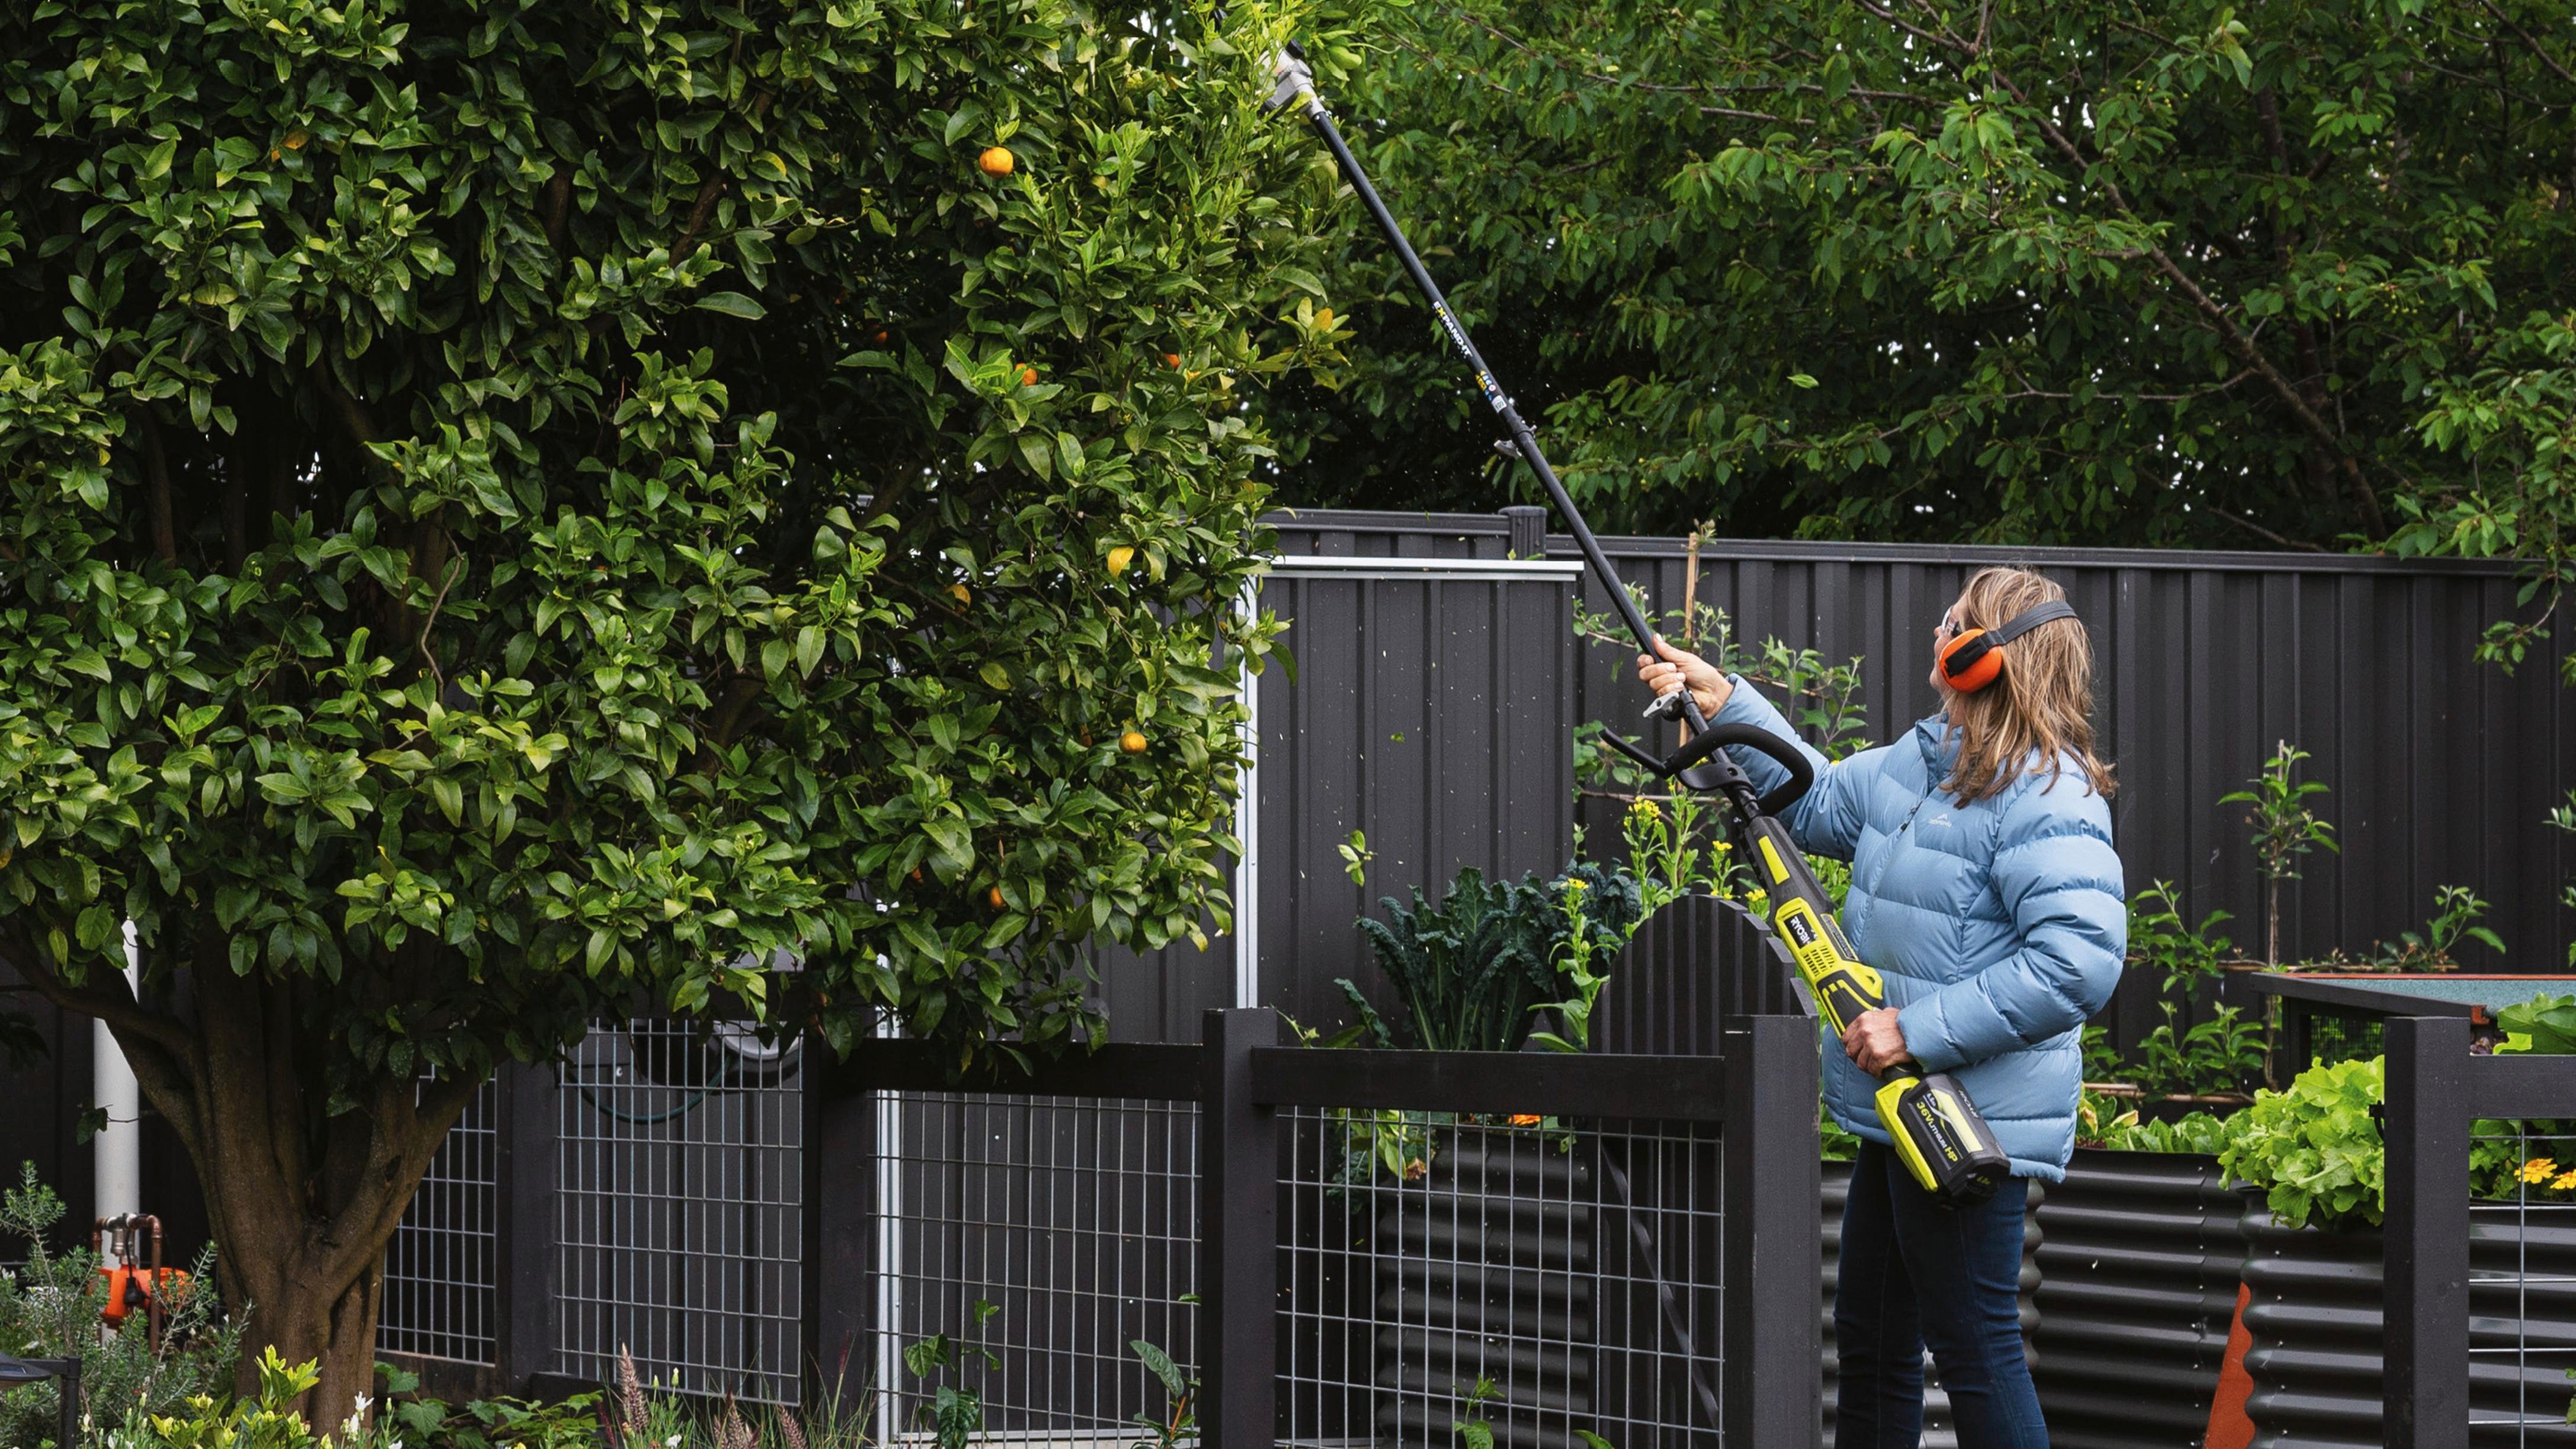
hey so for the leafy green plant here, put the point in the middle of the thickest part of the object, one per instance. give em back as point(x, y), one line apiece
point(2544, 1025)
point(2162, 940)
point(2215, 1056)
point(2455, 913)
point(1582, 948)
point(2101, 1059)
point(1468, 973)
point(49, 1308)
point(1472, 1430)
point(2284, 830)
point(1180, 1425)
point(1356, 855)
point(268, 1420)
point(953, 1413)
point(2196, 1132)
point(2315, 1147)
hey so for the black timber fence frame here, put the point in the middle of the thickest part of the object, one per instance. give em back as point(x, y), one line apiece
point(1761, 1091)
point(2436, 1089)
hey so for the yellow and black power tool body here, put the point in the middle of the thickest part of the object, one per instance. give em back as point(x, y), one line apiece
point(1935, 1129)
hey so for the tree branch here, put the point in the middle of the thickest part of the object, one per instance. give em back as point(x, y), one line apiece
point(156, 488)
point(2528, 39)
point(2250, 524)
point(2236, 339)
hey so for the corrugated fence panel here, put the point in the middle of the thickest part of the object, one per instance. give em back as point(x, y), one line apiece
point(1428, 708)
point(2138, 1286)
point(2440, 770)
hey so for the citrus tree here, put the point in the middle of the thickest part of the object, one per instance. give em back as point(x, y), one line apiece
point(510, 510)
point(2174, 272)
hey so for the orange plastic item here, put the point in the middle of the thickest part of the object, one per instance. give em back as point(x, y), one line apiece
point(130, 1288)
point(1977, 675)
point(2229, 1427)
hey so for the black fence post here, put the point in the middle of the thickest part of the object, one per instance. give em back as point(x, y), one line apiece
point(840, 1232)
point(1773, 1251)
point(1238, 1237)
point(1528, 530)
point(529, 1269)
point(2426, 1390)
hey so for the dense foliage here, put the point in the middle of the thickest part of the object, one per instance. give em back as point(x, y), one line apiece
point(1469, 973)
point(508, 508)
point(2178, 272)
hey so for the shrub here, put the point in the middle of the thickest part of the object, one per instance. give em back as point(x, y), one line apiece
point(1468, 973)
point(50, 1309)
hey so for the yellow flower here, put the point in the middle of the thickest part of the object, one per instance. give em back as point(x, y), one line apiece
point(2539, 1169)
point(2563, 1180)
point(1645, 809)
point(1574, 883)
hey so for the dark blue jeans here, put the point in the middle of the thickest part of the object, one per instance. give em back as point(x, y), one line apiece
point(1912, 1273)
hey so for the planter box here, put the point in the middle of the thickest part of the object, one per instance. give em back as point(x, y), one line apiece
point(2140, 1260)
point(1497, 1240)
point(2316, 1323)
point(1938, 1431)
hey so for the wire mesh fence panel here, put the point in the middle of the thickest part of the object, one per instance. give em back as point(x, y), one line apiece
point(2522, 1283)
point(1543, 1279)
point(442, 1267)
point(1027, 1243)
point(679, 1183)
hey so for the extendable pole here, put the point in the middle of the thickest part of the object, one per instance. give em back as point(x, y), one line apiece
point(1719, 774)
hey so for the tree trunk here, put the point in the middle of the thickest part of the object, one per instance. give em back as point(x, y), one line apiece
point(338, 1336)
point(302, 1201)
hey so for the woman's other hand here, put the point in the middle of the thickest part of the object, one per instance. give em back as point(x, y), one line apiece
point(1875, 1042)
point(1708, 687)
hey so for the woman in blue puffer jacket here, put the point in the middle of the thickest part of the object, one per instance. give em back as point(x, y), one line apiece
point(1985, 891)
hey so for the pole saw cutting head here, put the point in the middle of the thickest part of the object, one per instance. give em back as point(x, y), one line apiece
point(1292, 79)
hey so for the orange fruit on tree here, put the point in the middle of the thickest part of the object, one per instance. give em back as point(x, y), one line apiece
point(1028, 377)
point(1133, 742)
point(959, 593)
point(1119, 558)
point(996, 161)
point(995, 896)
point(1172, 360)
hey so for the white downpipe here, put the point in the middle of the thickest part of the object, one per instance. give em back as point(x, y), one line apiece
point(1247, 829)
point(117, 1151)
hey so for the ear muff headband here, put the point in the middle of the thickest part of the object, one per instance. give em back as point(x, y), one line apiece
point(1971, 661)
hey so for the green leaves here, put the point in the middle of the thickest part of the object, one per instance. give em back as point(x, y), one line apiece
point(2315, 1147)
point(2545, 1024)
point(448, 559)
point(1986, 237)
point(732, 304)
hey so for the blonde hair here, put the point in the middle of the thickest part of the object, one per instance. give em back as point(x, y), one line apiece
point(2042, 702)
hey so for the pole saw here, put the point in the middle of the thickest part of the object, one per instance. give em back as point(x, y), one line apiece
point(1936, 1130)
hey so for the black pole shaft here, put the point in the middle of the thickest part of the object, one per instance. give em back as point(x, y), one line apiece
point(1522, 437)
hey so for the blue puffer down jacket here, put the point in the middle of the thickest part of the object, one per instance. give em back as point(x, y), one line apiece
point(1999, 926)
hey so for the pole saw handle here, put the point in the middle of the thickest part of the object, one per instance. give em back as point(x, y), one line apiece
point(1802, 775)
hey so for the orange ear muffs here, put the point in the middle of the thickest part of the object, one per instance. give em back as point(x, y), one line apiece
point(1971, 661)
point(1974, 659)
